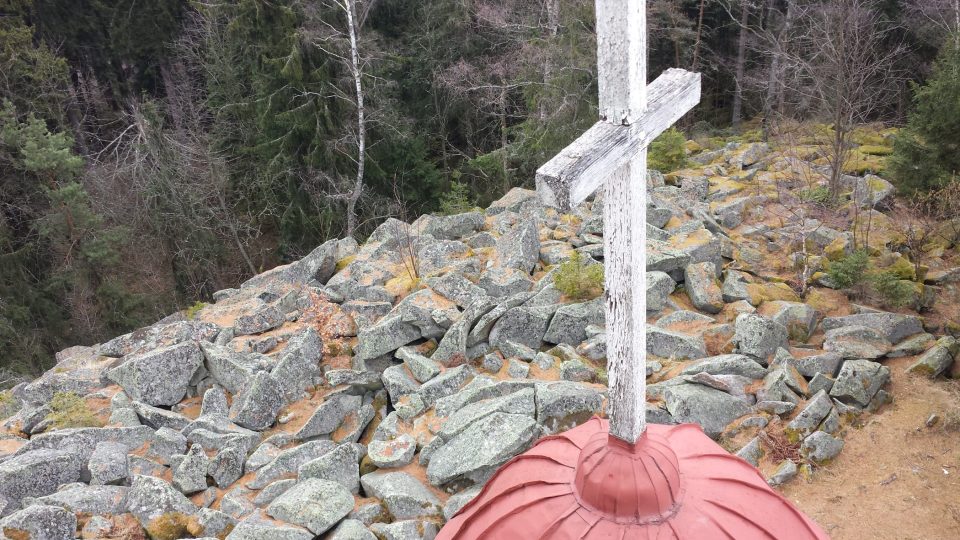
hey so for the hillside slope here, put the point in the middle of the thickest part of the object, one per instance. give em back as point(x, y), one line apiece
point(371, 390)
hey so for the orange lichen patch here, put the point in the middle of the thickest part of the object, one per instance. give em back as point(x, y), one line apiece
point(688, 327)
point(225, 314)
point(374, 275)
point(371, 429)
point(126, 527)
point(673, 223)
point(717, 340)
point(15, 429)
point(420, 473)
point(348, 426)
point(426, 424)
point(340, 361)
point(200, 498)
point(699, 237)
point(359, 502)
point(816, 340)
point(426, 348)
point(829, 302)
point(300, 411)
point(9, 446)
point(683, 301)
point(167, 475)
point(100, 406)
point(16, 534)
point(111, 390)
point(754, 387)
point(730, 312)
point(190, 407)
point(741, 435)
point(504, 373)
point(551, 374)
point(798, 352)
point(328, 319)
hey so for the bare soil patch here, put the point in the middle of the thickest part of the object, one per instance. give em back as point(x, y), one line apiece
point(897, 478)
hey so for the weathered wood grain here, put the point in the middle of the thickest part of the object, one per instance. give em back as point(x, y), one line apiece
point(621, 60)
point(581, 168)
point(614, 153)
point(624, 258)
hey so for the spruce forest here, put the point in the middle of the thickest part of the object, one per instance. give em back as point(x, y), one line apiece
point(154, 152)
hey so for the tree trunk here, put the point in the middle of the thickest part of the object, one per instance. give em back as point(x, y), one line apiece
point(771, 89)
point(232, 226)
point(503, 137)
point(741, 60)
point(174, 101)
point(784, 35)
point(775, 76)
point(350, 6)
point(696, 45)
point(553, 26)
point(73, 113)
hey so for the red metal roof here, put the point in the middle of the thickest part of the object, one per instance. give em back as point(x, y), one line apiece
point(674, 483)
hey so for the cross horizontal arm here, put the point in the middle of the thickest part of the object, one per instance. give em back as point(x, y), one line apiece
point(578, 170)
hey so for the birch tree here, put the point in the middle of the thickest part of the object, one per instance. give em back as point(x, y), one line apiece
point(326, 36)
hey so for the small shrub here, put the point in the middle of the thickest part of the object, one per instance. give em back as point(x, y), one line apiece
point(68, 410)
point(876, 150)
point(579, 279)
point(8, 404)
point(859, 164)
point(194, 309)
point(668, 152)
point(850, 270)
point(818, 195)
point(170, 526)
point(456, 200)
point(896, 292)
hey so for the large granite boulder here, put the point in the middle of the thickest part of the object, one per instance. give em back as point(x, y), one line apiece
point(403, 495)
point(700, 282)
point(315, 504)
point(758, 336)
point(476, 452)
point(159, 377)
point(257, 405)
point(712, 409)
point(37, 473)
point(40, 522)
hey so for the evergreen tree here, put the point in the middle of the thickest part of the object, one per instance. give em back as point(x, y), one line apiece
point(927, 151)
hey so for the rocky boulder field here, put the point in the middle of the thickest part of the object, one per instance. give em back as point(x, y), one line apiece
point(368, 392)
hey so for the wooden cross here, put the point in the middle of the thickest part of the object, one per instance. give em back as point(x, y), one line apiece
point(613, 153)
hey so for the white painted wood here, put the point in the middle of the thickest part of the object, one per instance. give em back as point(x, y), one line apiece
point(582, 167)
point(614, 152)
point(624, 258)
point(621, 59)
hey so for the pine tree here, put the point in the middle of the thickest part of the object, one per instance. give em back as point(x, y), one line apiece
point(927, 151)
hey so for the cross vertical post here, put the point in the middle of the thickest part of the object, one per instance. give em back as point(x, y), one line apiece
point(622, 74)
point(613, 154)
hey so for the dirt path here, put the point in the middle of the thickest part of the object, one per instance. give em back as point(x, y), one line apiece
point(896, 478)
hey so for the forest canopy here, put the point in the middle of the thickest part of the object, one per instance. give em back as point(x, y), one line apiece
point(152, 153)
